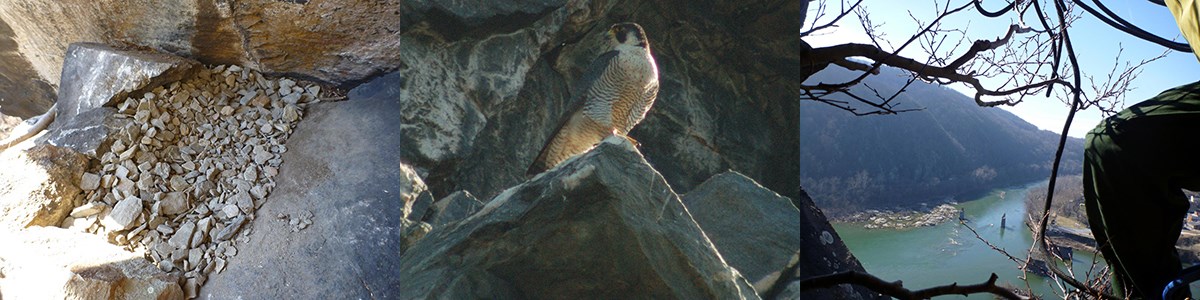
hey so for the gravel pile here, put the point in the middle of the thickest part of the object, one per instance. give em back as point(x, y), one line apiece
point(181, 182)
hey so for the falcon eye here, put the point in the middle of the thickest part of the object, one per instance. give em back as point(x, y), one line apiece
point(621, 36)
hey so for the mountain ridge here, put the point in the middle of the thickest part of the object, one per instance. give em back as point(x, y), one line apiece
point(948, 150)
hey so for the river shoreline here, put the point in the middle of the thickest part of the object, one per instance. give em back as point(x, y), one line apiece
point(884, 219)
point(1080, 239)
point(949, 253)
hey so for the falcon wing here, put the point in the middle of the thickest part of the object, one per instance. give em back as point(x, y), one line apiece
point(640, 111)
point(578, 99)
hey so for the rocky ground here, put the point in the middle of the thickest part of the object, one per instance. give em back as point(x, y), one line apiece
point(876, 219)
point(191, 168)
point(179, 170)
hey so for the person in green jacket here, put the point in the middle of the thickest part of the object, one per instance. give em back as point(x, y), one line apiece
point(1135, 165)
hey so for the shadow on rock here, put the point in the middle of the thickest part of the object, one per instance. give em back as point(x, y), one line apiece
point(602, 225)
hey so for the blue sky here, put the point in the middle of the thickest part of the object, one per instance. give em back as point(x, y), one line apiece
point(1095, 43)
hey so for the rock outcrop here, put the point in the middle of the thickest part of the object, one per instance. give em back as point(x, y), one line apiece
point(714, 112)
point(56, 263)
point(822, 253)
point(756, 230)
point(23, 93)
point(39, 186)
point(604, 225)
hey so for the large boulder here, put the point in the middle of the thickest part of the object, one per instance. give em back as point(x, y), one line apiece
point(39, 186)
point(95, 78)
point(97, 75)
point(56, 263)
point(603, 225)
point(756, 230)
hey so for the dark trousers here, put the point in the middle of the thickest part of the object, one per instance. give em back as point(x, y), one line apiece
point(1134, 167)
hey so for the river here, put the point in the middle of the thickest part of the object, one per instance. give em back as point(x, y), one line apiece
point(947, 253)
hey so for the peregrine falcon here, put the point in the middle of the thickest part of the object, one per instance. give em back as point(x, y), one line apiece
point(613, 96)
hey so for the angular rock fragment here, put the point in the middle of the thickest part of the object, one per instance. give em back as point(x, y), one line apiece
point(228, 232)
point(456, 206)
point(182, 239)
point(123, 214)
point(89, 182)
point(174, 203)
point(89, 209)
point(604, 225)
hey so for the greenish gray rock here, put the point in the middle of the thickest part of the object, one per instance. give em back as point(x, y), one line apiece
point(456, 206)
point(605, 225)
point(756, 230)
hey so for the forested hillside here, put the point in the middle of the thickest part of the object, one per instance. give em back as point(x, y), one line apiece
point(949, 150)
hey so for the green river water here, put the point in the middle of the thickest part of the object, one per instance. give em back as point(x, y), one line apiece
point(939, 255)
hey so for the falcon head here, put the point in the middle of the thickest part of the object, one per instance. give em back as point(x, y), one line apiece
point(630, 34)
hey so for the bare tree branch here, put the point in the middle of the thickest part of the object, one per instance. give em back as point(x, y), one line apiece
point(845, 11)
point(897, 290)
point(836, 52)
point(1040, 235)
point(1122, 25)
point(1001, 12)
